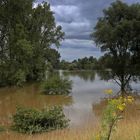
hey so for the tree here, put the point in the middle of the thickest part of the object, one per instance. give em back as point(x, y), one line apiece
point(117, 33)
point(64, 65)
point(26, 34)
point(80, 64)
point(53, 57)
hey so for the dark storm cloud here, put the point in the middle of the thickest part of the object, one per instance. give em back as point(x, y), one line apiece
point(78, 18)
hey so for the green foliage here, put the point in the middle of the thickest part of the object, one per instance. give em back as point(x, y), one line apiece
point(117, 34)
point(53, 58)
point(112, 114)
point(57, 85)
point(110, 119)
point(80, 64)
point(64, 65)
point(26, 34)
point(36, 121)
point(2, 129)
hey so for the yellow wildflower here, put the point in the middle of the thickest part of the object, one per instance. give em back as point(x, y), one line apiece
point(121, 98)
point(125, 100)
point(121, 107)
point(130, 99)
point(98, 137)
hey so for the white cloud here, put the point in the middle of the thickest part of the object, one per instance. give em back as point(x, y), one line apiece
point(66, 13)
point(77, 48)
point(70, 18)
point(78, 43)
point(35, 4)
point(66, 10)
point(77, 27)
point(78, 18)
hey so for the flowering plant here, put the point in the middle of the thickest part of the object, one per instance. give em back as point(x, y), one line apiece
point(112, 114)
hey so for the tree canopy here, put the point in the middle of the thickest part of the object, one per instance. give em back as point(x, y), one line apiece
point(117, 33)
point(86, 63)
point(26, 34)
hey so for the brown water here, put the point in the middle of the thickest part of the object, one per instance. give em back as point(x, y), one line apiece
point(87, 91)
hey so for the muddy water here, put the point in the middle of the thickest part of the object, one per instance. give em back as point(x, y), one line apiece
point(88, 90)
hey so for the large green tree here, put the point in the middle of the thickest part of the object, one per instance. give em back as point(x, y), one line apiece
point(117, 33)
point(26, 34)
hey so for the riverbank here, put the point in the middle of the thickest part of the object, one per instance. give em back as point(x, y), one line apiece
point(125, 131)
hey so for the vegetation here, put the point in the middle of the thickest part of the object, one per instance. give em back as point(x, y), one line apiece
point(53, 58)
point(35, 121)
point(26, 34)
point(112, 114)
point(2, 129)
point(57, 85)
point(80, 64)
point(117, 34)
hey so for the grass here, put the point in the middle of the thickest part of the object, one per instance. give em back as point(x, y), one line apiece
point(128, 129)
point(125, 131)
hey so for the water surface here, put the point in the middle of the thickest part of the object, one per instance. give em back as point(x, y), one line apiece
point(87, 91)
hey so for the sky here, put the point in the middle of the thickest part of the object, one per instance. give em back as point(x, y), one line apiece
point(78, 18)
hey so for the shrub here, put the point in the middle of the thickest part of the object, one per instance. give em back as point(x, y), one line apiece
point(2, 129)
point(36, 121)
point(57, 86)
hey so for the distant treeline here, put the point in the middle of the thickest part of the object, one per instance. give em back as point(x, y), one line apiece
point(86, 63)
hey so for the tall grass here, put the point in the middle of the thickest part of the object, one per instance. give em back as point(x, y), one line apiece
point(127, 129)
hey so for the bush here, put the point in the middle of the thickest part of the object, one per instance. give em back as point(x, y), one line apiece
point(2, 129)
point(37, 121)
point(57, 86)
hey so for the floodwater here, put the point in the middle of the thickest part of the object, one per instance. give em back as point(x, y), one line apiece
point(87, 91)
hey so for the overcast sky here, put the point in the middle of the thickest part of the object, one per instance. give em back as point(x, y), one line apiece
point(78, 18)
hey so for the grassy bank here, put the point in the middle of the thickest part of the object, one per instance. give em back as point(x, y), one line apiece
point(125, 131)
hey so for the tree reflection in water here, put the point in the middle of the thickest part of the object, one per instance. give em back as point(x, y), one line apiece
point(123, 80)
point(86, 75)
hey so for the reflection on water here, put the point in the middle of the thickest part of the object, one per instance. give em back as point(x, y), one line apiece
point(29, 96)
point(125, 81)
point(87, 91)
point(85, 75)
